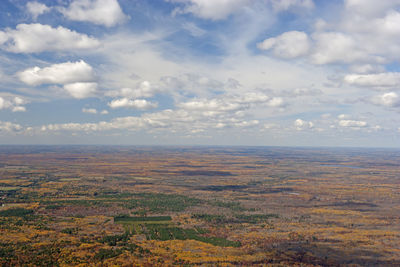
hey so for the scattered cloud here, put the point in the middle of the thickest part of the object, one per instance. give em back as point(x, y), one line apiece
point(15, 104)
point(391, 99)
point(300, 124)
point(19, 109)
point(101, 12)
point(287, 45)
point(36, 9)
point(352, 123)
point(141, 104)
point(6, 126)
point(343, 116)
point(81, 89)
point(89, 110)
point(227, 104)
point(63, 73)
point(337, 47)
point(319, 64)
point(378, 80)
point(36, 38)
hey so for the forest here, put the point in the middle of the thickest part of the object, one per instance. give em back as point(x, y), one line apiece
point(199, 206)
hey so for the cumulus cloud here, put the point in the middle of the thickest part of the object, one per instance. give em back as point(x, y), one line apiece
point(227, 104)
point(63, 73)
point(206, 9)
point(352, 123)
point(129, 103)
point(343, 116)
point(380, 80)
point(334, 47)
point(18, 109)
point(6, 126)
point(210, 105)
point(349, 38)
point(101, 12)
point(81, 89)
point(287, 45)
point(390, 99)
point(170, 120)
point(15, 104)
point(300, 124)
point(36, 9)
point(36, 38)
point(192, 116)
point(275, 102)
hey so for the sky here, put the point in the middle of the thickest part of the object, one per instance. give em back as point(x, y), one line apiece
point(200, 72)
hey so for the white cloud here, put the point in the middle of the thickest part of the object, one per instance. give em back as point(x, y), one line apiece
point(246, 123)
point(333, 47)
point(275, 102)
point(63, 73)
point(36, 9)
point(366, 32)
point(6, 126)
point(144, 89)
point(300, 124)
point(287, 45)
point(352, 123)
point(343, 116)
point(211, 105)
point(3, 37)
point(226, 104)
point(370, 8)
point(283, 5)
point(104, 112)
point(381, 80)
point(89, 110)
point(129, 103)
point(15, 104)
point(19, 109)
point(35, 38)
point(101, 12)
point(210, 9)
point(168, 120)
point(81, 89)
point(390, 99)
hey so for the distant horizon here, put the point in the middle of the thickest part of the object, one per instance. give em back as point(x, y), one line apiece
point(202, 146)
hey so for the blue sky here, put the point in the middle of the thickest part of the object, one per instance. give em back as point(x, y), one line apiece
point(207, 72)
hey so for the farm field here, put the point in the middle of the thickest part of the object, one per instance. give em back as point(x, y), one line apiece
point(226, 206)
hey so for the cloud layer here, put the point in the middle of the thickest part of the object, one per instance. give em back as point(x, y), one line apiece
point(261, 72)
